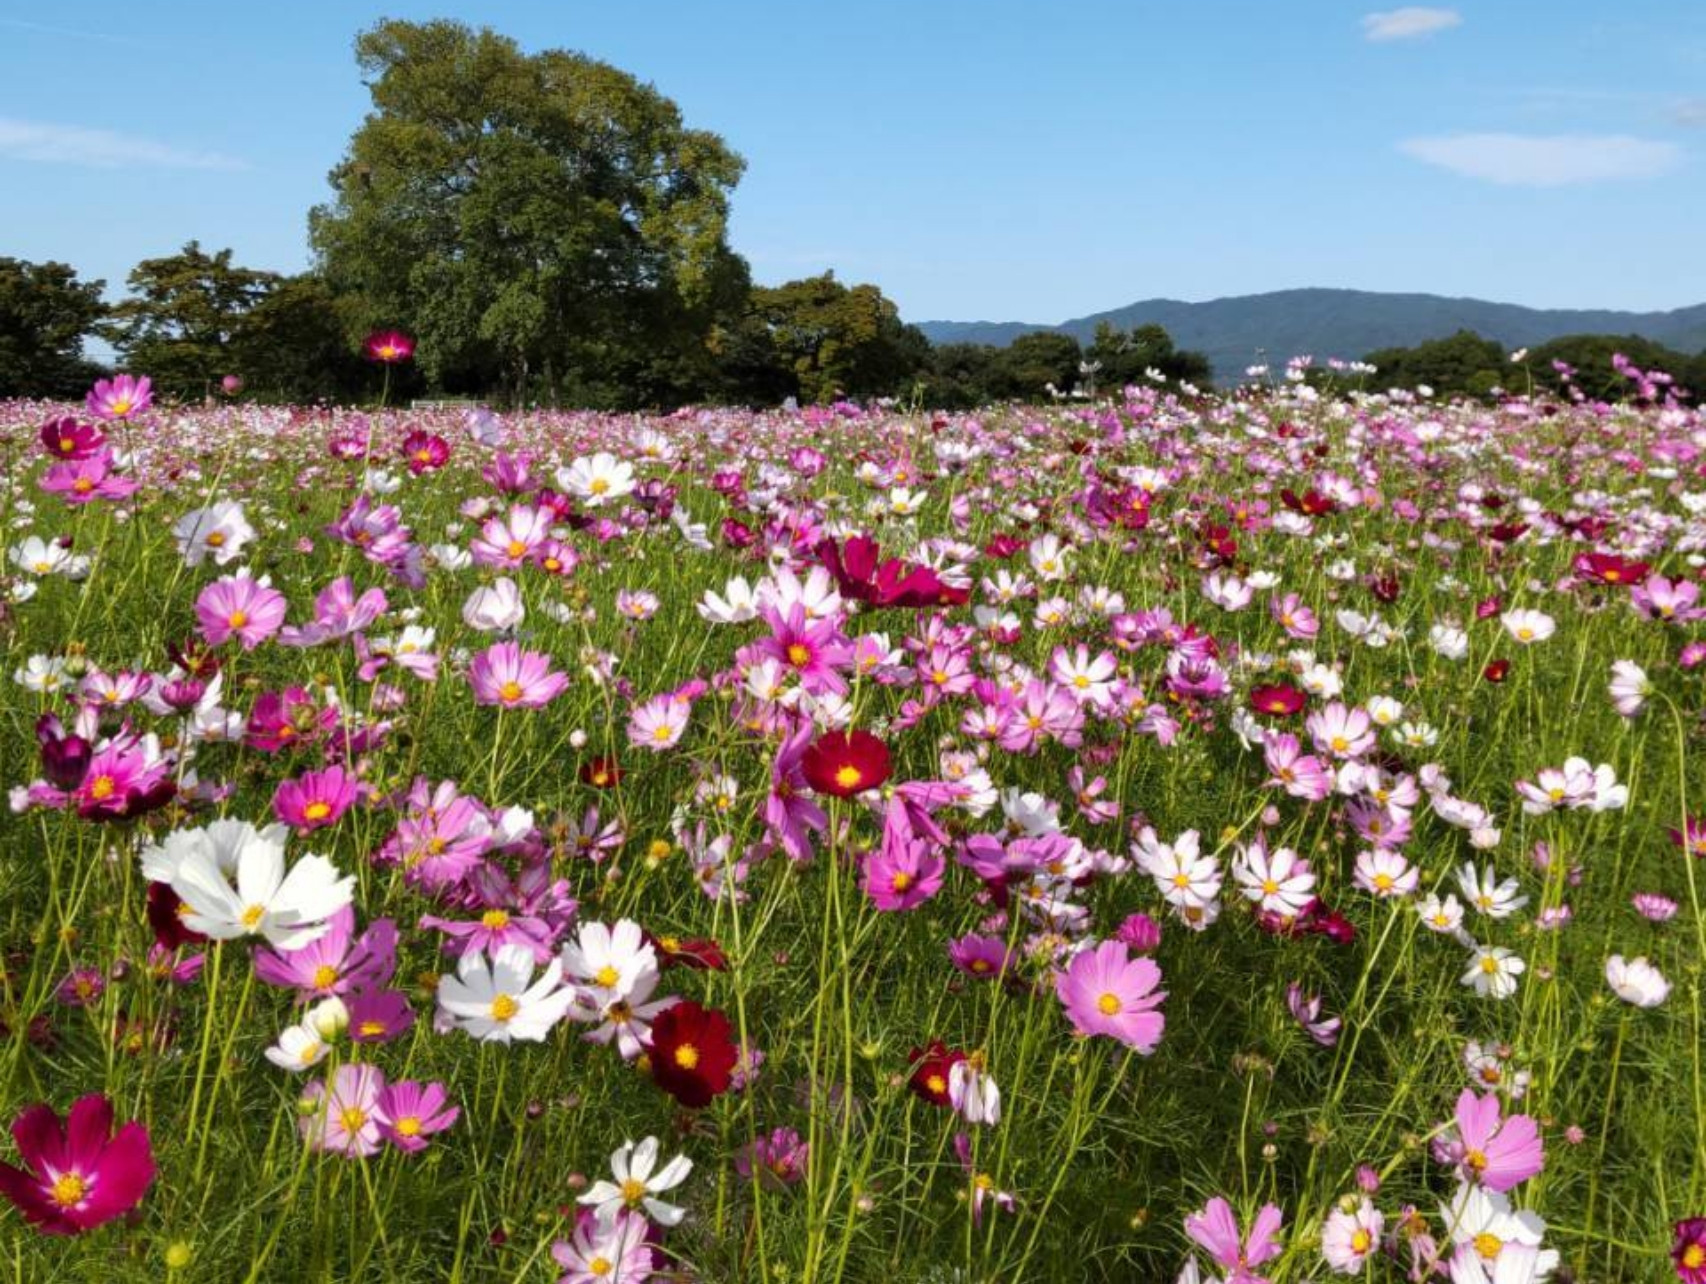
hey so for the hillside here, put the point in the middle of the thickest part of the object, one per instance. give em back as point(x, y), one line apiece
point(1245, 329)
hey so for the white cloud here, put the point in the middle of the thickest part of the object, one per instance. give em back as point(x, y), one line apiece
point(38, 140)
point(1546, 160)
point(1690, 113)
point(1409, 23)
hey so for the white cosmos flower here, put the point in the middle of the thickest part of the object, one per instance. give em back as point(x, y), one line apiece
point(218, 531)
point(1636, 981)
point(43, 673)
point(499, 1001)
point(299, 1047)
point(1449, 643)
point(973, 1092)
point(1629, 687)
point(597, 479)
point(222, 841)
point(1483, 890)
point(636, 1186)
point(494, 607)
point(1528, 626)
point(289, 909)
point(610, 960)
point(1485, 1230)
point(737, 605)
point(1493, 971)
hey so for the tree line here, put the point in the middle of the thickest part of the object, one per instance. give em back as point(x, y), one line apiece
point(550, 231)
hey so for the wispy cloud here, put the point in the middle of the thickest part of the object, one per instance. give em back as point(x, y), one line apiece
point(38, 140)
point(1546, 160)
point(1409, 23)
point(1690, 113)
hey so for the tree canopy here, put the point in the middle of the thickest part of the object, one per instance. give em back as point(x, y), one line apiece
point(45, 313)
point(529, 216)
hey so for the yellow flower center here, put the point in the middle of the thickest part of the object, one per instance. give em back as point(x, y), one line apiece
point(849, 776)
point(633, 1191)
point(1340, 744)
point(353, 1118)
point(599, 486)
point(901, 881)
point(102, 788)
point(1181, 880)
point(1361, 1241)
point(516, 548)
point(122, 406)
point(799, 655)
point(504, 1007)
point(1694, 1256)
point(600, 1267)
point(69, 1189)
point(408, 1126)
point(1488, 1245)
point(371, 1029)
point(253, 915)
point(510, 692)
point(325, 976)
point(687, 1056)
point(1477, 1160)
point(1269, 887)
point(1108, 1005)
point(239, 618)
point(317, 810)
point(495, 919)
point(662, 733)
point(936, 1084)
point(82, 485)
point(1383, 882)
point(214, 539)
point(1489, 964)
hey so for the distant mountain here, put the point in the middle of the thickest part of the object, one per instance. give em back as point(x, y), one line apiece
point(1251, 328)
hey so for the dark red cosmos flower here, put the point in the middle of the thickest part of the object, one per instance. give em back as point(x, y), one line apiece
point(1609, 569)
point(1497, 671)
point(1385, 587)
point(890, 582)
point(425, 451)
point(931, 1067)
point(82, 1174)
point(1312, 503)
point(737, 534)
point(65, 757)
point(67, 439)
point(844, 763)
point(166, 917)
point(389, 347)
point(1280, 699)
point(1316, 919)
point(1219, 542)
point(601, 773)
point(1001, 547)
point(1508, 532)
point(692, 1054)
point(1488, 607)
point(698, 953)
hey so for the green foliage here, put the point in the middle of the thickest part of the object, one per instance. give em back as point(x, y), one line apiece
point(45, 313)
point(1127, 357)
point(182, 316)
point(544, 223)
point(1464, 365)
point(1589, 357)
point(1032, 363)
point(295, 345)
point(817, 339)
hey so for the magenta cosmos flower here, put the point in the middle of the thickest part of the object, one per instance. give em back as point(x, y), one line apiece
point(121, 397)
point(1216, 1230)
point(411, 1112)
point(81, 481)
point(389, 347)
point(1499, 1153)
point(505, 675)
point(237, 606)
point(315, 798)
point(81, 1174)
point(903, 874)
point(1688, 1250)
point(1106, 991)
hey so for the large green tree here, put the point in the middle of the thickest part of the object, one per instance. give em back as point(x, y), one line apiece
point(294, 345)
point(45, 313)
point(181, 318)
point(818, 339)
point(541, 222)
point(1125, 357)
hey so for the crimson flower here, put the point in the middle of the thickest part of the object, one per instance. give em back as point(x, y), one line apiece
point(892, 582)
point(1497, 671)
point(1612, 570)
point(692, 1054)
point(81, 1175)
point(1280, 699)
point(844, 763)
point(931, 1068)
point(389, 347)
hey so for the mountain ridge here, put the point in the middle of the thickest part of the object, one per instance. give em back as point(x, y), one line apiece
point(1236, 331)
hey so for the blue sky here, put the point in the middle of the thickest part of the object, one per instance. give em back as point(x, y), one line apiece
point(977, 159)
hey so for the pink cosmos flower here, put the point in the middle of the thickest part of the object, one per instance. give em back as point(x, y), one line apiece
point(510, 542)
point(81, 1174)
point(81, 481)
point(338, 612)
point(240, 607)
point(1216, 1230)
point(411, 1112)
point(315, 799)
point(1499, 1153)
point(121, 397)
point(505, 675)
point(345, 1118)
point(658, 724)
point(1105, 991)
point(903, 875)
point(982, 957)
point(337, 962)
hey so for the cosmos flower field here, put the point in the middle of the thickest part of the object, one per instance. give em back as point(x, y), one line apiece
point(1252, 837)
